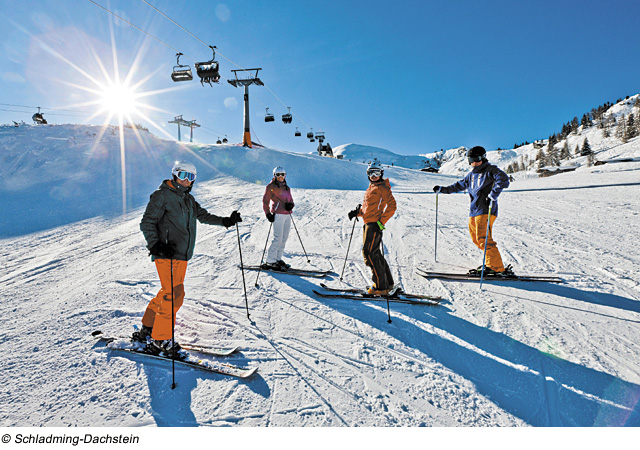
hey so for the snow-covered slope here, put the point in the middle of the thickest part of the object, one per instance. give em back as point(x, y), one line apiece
point(366, 154)
point(513, 354)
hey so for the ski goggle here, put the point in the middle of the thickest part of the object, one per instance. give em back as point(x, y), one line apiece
point(476, 158)
point(184, 175)
point(374, 172)
point(281, 174)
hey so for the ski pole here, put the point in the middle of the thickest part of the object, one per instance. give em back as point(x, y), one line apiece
point(263, 252)
point(388, 308)
point(246, 301)
point(486, 239)
point(435, 251)
point(173, 336)
point(296, 228)
point(349, 246)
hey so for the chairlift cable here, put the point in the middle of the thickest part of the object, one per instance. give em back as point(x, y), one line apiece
point(140, 29)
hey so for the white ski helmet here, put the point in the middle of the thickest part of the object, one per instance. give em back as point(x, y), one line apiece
point(184, 170)
point(375, 168)
point(279, 169)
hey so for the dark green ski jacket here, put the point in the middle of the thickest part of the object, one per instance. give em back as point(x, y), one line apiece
point(171, 217)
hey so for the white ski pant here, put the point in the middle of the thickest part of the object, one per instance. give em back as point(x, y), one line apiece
point(281, 227)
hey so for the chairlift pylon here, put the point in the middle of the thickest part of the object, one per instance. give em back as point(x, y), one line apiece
point(269, 117)
point(38, 118)
point(208, 71)
point(181, 72)
point(287, 118)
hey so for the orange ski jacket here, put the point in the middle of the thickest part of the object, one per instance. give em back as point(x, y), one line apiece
point(378, 204)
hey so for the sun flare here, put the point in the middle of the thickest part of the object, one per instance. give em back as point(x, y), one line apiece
point(119, 99)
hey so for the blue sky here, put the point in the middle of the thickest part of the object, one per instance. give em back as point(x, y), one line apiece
point(409, 76)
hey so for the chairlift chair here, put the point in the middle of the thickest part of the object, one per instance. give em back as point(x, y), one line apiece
point(297, 132)
point(181, 72)
point(287, 118)
point(269, 117)
point(38, 118)
point(208, 71)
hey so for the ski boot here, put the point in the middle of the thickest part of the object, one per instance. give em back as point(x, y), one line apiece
point(168, 348)
point(378, 292)
point(283, 265)
point(271, 266)
point(142, 335)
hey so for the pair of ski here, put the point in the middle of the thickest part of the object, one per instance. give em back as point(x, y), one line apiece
point(125, 344)
point(487, 277)
point(293, 271)
point(397, 296)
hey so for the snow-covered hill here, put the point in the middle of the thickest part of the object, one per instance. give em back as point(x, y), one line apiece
point(512, 354)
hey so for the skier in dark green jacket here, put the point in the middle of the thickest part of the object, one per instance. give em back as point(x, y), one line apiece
point(169, 227)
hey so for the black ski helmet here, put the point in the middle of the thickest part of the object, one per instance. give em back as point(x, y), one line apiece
point(476, 154)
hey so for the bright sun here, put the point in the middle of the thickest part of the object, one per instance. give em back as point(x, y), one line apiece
point(119, 99)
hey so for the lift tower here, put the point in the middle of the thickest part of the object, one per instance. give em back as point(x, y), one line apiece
point(246, 82)
point(180, 121)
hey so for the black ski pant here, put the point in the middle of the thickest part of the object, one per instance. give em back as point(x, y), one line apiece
point(373, 257)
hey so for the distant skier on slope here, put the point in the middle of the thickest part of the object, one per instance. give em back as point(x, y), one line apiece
point(484, 183)
point(169, 227)
point(377, 208)
point(277, 203)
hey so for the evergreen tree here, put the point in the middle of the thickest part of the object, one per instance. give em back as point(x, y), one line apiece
point(574, 125)
point(621, 130)
point(541, 158)
point(586, 148)
point(631, 129)
point(564, 153)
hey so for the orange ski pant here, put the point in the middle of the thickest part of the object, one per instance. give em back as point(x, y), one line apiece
point(158, 314)
point(478, 232)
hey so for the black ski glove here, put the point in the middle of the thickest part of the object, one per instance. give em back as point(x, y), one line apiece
point(436, 189)
point(271, 217)
point(354, 213)
point(288, 206)
point(232, 219)
point(162, 250)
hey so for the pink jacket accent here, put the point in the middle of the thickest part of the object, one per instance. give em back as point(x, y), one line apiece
point(275, 196)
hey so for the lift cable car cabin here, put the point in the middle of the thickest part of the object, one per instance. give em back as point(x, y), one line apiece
point(181, 72)
point(287, 118)
point(310, 134)
point(297, 132)
point(208, 71)
point(38, 118)
point(268, 117)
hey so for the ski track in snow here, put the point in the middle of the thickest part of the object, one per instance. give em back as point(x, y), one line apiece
point(511, 354)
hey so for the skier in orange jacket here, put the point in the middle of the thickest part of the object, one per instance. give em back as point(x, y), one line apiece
point(377, 208)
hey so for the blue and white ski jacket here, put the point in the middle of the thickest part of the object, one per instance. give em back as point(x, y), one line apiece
point(482, 182)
